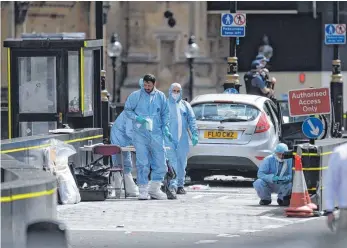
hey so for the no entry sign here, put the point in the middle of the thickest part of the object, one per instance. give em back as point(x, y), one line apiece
point(309, 102)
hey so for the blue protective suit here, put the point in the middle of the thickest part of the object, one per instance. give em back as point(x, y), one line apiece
point(149, 143)
point(182, 117)
point(121, 135)
point(269, 168)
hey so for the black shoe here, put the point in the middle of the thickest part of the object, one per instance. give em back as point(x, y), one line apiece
point(265, 202)
point(285, 202)
point(171, 194)
point(181, 191)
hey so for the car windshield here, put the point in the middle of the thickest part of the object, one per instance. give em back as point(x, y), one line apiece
point(226, 112)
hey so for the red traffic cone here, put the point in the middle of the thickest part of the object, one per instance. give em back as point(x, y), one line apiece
point(300, 202)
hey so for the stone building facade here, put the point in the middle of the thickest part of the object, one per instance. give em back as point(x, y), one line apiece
point(150, 45)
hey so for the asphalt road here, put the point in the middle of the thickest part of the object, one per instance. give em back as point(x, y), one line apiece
point(225, 214)
point(311, 234)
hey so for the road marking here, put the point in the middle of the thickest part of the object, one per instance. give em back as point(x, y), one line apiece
point(250, 231)
point(273, 226)
point(307, 219)
point(197, 196)
point(206, 242)
point(227, 235)
point(275, 218)
point(223, 197)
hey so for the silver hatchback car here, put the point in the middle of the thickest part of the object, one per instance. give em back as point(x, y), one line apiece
point(236, 132)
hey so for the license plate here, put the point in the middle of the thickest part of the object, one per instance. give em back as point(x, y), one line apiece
point(220, 135)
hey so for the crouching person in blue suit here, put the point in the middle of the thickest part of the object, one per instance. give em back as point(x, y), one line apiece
point(275, 176)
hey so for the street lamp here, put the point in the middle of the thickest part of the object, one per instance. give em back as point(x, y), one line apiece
point(114, 50)
point(191, 52)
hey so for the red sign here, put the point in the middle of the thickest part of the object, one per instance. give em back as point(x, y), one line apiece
point(341, 28)
point(309, 102)
point(240, 19)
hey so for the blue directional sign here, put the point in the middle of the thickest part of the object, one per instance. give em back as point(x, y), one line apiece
point(233, 25)
point(335, 34)
point(231, 91)
point(312, 127)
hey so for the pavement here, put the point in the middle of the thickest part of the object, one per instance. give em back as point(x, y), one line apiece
point(224, 214)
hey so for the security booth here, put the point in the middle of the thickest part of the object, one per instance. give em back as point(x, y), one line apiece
point(52, 80)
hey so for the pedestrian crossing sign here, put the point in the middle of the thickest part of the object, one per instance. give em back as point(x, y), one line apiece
point(233, 25)
point(335, 34)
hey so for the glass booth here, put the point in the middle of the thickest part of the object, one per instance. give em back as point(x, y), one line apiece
point(52, 82)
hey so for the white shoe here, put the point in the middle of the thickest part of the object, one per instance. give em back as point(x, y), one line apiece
point(131, 187)
point(155, 192)
point(116, 184)
point(143, 192)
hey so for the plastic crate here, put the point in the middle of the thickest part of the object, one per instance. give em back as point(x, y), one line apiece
point(93, 195)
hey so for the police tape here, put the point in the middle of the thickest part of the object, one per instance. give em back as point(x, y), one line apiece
point(27, 195)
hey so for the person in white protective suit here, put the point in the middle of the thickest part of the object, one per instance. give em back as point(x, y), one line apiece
point(275, 176)
point(182, 118)
point(336, 192)
point(121, 135)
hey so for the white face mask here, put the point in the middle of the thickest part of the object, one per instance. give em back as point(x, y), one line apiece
point(279, 159)
point(175, 96)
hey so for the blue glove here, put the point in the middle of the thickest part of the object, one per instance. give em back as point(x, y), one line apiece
point(195, 140)
point(167, 133)
point(275, 179)
point(141, 120)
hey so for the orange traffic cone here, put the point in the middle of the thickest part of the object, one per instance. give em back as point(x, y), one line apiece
point(300, 202)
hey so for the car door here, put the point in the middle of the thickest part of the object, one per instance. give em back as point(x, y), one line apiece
point(275, 111)
point(274, 123)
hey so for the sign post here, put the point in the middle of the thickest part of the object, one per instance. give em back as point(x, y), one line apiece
point(335, 34)
point(312, 128)
point(306, 102)
point(233, 25)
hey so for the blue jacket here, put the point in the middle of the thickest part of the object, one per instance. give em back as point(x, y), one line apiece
point(153, 105)
point(271, 167)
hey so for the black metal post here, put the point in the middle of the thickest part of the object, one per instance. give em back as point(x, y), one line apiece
point(232, 40)
point(336, 85)
point(99, 25)
point(191, 77)
point(104, 106)
point(105, 109)
point(232, 76)
point(114, 90)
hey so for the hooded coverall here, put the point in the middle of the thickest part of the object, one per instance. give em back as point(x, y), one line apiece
point(182, 117)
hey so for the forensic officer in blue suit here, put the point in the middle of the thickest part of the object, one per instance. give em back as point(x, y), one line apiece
point(121, 135)
point(149, 111)
point(275, 176)
point(182, 118)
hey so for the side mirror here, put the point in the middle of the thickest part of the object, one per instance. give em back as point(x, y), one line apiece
point(45, 234)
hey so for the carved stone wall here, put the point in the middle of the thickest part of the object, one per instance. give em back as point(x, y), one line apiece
point(156, 48)
point(49, 17)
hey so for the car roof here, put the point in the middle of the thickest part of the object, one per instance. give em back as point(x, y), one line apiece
point(242, 98)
